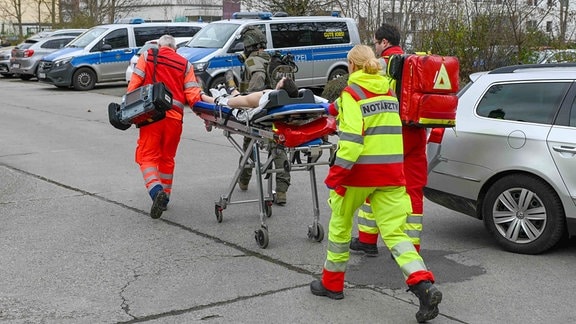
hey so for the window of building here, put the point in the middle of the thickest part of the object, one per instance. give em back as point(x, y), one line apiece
point(549, 26)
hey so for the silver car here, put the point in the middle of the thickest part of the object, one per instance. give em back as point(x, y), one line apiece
point(5, 55)
point(27, 55)
point(511, 159)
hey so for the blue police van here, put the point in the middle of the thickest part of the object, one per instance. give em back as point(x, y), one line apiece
point(319, 45)
point(102, 53)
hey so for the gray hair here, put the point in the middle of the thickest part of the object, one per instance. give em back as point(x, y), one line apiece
point(167, 40)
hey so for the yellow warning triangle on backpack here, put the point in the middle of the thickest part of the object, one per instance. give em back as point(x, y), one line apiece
point(442, 80)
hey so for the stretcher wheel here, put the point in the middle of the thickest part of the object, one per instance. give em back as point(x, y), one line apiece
point(261, 237)
point(218, 212)
point(316, 235)
point(268, 209)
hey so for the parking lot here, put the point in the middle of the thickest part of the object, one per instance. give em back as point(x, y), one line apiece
point(79, 246)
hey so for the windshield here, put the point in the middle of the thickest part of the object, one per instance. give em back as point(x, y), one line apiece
point(213, 36)
point(87, 37)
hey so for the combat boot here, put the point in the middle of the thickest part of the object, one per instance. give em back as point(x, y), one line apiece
point(371, 250)
point(280, 198)
point(429, 297)
point(230, 83)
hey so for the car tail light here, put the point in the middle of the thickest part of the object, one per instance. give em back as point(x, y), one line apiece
point(28, 53)
point(436, 135)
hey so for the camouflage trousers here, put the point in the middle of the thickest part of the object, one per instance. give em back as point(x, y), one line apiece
point(282, 178)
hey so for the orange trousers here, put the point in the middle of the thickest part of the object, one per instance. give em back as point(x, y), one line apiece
point(155, 153)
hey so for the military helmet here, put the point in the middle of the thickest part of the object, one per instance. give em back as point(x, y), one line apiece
point(253, 36)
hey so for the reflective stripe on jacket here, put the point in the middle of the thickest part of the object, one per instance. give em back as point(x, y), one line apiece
point(370, 150)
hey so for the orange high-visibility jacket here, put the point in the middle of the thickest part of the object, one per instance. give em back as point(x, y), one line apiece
point(176, 73)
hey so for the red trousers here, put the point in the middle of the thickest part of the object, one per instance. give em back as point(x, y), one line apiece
point(416, 173)
point(157, 146)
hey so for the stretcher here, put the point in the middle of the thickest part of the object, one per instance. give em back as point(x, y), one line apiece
point(299, 126)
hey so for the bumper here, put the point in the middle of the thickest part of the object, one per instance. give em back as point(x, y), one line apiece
point(4, 68)
point(60, 76)
point(24, 68)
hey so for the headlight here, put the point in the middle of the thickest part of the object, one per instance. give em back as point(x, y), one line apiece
point(200, 66)
point(62, 62)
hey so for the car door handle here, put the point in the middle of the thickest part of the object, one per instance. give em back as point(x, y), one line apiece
point(567, 149)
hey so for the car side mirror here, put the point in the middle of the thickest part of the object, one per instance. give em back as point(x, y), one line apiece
point(106, 47)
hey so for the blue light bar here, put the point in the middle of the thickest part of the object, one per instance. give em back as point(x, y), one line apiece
point(264, 15)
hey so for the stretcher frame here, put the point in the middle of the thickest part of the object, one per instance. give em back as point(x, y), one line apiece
point(261, 134)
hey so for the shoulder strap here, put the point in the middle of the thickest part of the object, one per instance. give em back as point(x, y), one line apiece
point(155, 55)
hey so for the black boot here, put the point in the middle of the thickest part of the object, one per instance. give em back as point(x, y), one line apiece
point(160, 201)
point(371, 250)
point(317, 288)
point(429, 297)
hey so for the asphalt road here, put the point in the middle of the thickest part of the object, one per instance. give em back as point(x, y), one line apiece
point(78, 245)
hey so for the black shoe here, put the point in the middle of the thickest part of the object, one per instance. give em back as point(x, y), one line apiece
point(429, 297)
point(165, 206)
point(160, 201)
point(371, 250)
point(318, 289)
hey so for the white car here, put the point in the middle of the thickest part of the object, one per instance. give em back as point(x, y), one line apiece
point(180, 41)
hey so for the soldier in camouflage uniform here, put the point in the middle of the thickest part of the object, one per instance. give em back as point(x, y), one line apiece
point(255, 78)
point(334, 87)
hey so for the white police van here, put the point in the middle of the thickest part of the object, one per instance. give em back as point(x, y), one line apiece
point(319, 45)
point(102, 53)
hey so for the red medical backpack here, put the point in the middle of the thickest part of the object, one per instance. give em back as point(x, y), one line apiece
point(426, 88)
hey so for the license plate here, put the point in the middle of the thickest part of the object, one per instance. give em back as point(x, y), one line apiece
point(41, 75)
point(15, 65)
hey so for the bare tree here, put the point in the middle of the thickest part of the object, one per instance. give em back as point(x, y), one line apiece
point(13, 10)
point(87, 13)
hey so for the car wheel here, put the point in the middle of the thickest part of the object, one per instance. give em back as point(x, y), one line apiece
point(25, 77)
point(216, 81)
point(336, 73)
point(84, 79)
point(524, 214)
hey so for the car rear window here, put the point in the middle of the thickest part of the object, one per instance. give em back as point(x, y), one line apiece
point(536, 102)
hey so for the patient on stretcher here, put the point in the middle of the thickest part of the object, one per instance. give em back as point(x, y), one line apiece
point(248, 105)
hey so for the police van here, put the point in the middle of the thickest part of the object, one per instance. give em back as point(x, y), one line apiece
point(319, 45)
point(102, 53)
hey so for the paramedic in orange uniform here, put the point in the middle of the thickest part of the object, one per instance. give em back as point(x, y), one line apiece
point(386, 40)
point(158, 141)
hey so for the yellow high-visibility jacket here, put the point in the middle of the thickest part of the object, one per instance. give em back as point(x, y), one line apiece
point(370, 152)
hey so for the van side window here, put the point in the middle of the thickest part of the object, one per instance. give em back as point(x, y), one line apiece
point(117, 39)
point(182, 31)
point(144, 34)
point(309, 34)
point(536, 102)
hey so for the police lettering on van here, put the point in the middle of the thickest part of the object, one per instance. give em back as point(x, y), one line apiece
point(103, 53)
point(318, 44)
